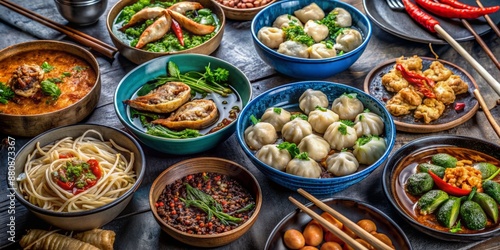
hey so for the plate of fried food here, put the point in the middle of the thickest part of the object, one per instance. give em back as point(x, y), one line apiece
point(423, 94)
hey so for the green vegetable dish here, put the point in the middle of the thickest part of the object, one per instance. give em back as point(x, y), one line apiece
point(165, 26)
point(179, 105)
point(451, 189)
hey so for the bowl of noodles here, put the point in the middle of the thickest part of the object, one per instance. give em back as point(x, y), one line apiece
point(78, 177)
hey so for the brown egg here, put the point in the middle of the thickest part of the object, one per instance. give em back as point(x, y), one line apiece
point(309, 248)
point(294, 239)
point(384, 238)
point(332, 220)
point(367, 225)
point(350, 233)
point(331, 246)
point(313, 234)
point(330, 237)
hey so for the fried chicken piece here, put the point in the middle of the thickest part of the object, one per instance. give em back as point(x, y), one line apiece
point(437, 72)
point(444, 93)
point(393, 81)
point(430, 110)
point(403, 102)
point(413, 63)
point(411, 96)
point(457, 84)
point(26, 79)
point(164, 99)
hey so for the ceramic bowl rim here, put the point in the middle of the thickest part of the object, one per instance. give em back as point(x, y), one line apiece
point(391, 161)
point(222, 20)
point(92, 63)
point(338, 199)
point(251, 219)
point(163, 139)
point(389, 138)
point(350, 8)
point(102, 208)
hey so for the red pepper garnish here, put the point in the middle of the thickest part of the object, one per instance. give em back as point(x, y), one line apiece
point(63, 156)
point(423, 83)
point(448, 11)
point(457, 4)
point(176, 28)
point(459, 106)
point(419, 16)
point(65, 185)
point(94, 167)
point(448, 188)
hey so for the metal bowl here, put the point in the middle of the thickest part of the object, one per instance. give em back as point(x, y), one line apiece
point(81, 12)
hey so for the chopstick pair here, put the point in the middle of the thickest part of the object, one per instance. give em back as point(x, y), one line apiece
point(378, 244)
point(80, 37)
point(487, 112)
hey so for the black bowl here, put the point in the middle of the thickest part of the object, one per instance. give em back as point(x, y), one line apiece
point(393, 179)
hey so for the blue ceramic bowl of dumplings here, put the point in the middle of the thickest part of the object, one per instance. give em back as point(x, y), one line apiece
point(306, 68)
point(287, 97)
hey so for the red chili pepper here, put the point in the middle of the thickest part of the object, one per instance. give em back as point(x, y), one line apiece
point(63, 156)
point(445, 186)
point(177, 31)
point(457, 4)
point(94, 167)
point(459, 106)
point(65, 185)
point(419, 81)
point(419, 16)
point(445, 10)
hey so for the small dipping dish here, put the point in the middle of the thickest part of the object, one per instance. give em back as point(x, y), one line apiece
point(81, 12)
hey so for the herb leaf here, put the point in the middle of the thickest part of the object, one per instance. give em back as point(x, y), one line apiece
point(46, 67)
point(51, 89)
point(292, 148)
point(6, 93)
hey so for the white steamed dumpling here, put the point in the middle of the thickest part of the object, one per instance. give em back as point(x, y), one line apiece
point(311, 99)
point(276, 116)
point(342, 163)
point(271, 37)
point(321, 118)
point(285, 20)
point(344, 18)
point(340, 136)
point(271, 155)
point(347, 106)
point(368, 123)
point(260, 134)
point(317, 31)
point(305, 168)
point(369, 149)
point(293, 48)
point(321, 50)
point(316, 147)
point(310, 12)
point(295, 130)
point(348, 40)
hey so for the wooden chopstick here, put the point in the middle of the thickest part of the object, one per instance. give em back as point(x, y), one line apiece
point(488, 19)
point(478, 67)
point(375, 242)
point(487, 112)
point(335, 230)
point(481, 43)
point(80, 37)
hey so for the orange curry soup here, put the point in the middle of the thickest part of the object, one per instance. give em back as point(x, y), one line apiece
point(74, 86)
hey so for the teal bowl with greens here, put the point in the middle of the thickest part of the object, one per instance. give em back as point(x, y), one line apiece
point(130, 84)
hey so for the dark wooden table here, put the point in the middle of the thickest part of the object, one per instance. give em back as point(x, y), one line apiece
point(136, 228)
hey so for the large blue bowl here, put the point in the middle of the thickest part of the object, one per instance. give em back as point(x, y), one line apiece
point(136, 78)
point(287, 97)
point(304, 68)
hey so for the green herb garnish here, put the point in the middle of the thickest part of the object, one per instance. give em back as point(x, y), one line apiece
point(205, 202)
point(301, 116)
point(292, 148)
point(6, 93)
point(277, 110)
point(49, 88)
point(302, 156)
point(46, 67)
point(321, 108)
point(347, 122)
point(457, 228)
